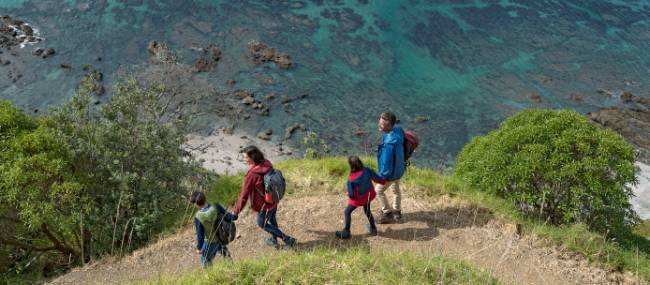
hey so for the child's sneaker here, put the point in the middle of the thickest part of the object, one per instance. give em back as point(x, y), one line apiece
point(272, 242)
point(343, 234)
point(289, 241)
point(397, 215)
point(372, 230)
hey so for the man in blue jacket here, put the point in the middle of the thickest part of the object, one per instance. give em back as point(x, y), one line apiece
point(390, 158)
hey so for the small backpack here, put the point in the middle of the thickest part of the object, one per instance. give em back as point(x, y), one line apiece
point(224, 229)
point(410, 144)
point(274, 184)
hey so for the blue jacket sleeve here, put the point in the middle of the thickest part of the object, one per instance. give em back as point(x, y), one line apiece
point(200, 233)
point(223, 211)
point(350, 189)
point(376, 177)
point(386, 162)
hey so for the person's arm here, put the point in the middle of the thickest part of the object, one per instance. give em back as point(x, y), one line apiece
point(200, 234)
point(222, 211)
point(386, 161)
point(243, 195)
point(376, 178)
point(350, 188)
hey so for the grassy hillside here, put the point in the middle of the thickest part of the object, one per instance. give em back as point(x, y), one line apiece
point(327, 175)
point(323, 266)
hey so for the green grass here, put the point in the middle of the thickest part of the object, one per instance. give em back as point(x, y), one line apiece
point(628, 251)
point(332, 266)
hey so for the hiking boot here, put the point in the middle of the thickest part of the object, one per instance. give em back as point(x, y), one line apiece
point(272, 242)
point(397, 215)
point(384, 218)
point(343, 234)
point(372, 230)
point(289, 241)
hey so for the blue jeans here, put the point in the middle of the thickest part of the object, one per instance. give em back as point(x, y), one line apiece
point(266, 220)
point(210, 250)
point(348, 213)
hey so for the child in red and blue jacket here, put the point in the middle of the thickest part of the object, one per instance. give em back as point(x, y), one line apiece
point(360, 192)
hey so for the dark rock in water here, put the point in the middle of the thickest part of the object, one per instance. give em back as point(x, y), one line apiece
point(27, 30)
point(288, 132)
point(627, 97)
point(161, 52)
point(97, 102)
point(35, 111)
point(202, 65)
point(261, 53)
point(632, 123)
point(48, 52)
point(533, 96)
point(38, 51)
point(230, 82)
point(576, 97)
point(265, 135)
point(360, 132)
point(269, 97)
point(216, 54)
point(421, 119)
point(65, 66)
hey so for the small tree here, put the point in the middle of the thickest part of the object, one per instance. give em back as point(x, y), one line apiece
point(555, 165)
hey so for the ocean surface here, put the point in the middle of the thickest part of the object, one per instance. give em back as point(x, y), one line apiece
point(450, 70)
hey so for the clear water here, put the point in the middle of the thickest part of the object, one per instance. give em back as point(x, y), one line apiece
point(465, 65)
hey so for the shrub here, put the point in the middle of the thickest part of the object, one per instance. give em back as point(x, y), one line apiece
point(557, 166)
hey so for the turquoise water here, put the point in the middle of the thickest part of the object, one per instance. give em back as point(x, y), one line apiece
point(464, 65)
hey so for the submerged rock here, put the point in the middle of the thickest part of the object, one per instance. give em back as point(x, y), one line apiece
point(161, 52)
point(261, 53)
point(631, 123)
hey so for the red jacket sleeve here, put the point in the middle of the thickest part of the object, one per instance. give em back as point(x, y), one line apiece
point(246, 189)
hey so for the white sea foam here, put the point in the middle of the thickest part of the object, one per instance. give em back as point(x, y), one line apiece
point(641, 201)
point(27, 40)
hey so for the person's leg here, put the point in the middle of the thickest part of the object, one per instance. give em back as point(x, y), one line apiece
point(266, 221)
point(208, 253)
point(397, 200)
point(347, 218)
point(381, 194)
point(347, 214)
point(372, 228)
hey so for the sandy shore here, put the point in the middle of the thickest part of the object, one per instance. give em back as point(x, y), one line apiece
point(220, 151)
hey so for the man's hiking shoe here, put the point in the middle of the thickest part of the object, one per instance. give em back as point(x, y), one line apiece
point(397, 215)
point(289, 241)
point(384, 218)
point(272, 242)
point(343, 234)
point(372, 230)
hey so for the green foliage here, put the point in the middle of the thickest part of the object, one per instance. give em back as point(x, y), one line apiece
point(557, 166)
point(314, 146)
point(130, 158)
point(225, 190)
point(643, 229)
point(331, 266)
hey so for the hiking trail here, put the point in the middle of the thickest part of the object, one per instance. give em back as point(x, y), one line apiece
point(444, 226)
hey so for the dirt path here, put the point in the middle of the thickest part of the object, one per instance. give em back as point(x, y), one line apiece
point(446, 227)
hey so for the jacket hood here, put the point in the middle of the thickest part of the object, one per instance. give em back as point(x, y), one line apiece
point(395, 136)
point(262, 168)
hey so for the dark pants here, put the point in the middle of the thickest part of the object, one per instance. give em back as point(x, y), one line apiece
point(266, 220)
point(348, 216)
point(210, 250)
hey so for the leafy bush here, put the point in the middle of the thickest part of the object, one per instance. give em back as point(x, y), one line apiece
point(86, 181)
point(557, 166)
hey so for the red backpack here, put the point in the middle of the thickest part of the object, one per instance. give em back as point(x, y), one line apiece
point(410, 144)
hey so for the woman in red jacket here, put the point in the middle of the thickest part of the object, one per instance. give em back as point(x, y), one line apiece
point(253, 188)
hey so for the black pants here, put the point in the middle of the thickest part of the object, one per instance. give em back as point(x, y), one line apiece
point(348, 213)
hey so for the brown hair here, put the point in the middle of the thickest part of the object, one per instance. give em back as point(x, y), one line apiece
point(254, 153)
point(355, 163)
point(198, 198)
point(389, 117)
